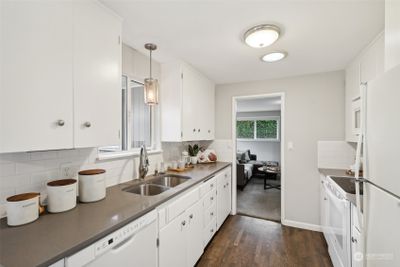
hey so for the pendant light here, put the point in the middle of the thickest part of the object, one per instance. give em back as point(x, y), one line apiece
point(150, 84)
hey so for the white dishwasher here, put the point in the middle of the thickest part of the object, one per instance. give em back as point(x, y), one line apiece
point(132, 245)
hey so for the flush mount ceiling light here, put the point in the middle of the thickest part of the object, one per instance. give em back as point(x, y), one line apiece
point(261, 35)
point(150, 84)
point(274, 56)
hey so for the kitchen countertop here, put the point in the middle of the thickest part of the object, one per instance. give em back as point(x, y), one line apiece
point(55, 236)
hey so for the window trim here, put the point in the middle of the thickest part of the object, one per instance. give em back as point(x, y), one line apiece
point(154, 119)
point(255, 119)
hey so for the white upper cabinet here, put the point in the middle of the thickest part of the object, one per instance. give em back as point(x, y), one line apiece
point(97, 76)
point(187, 104)
point(392, 33)
point(363, 69)
point(36, 94)
point(60, 71)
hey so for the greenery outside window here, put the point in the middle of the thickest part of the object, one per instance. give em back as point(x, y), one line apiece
point(260, 128)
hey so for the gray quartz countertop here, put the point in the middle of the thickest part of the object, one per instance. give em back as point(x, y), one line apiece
point(55, 236)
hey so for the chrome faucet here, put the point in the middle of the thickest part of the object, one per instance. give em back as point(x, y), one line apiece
point(143, 162)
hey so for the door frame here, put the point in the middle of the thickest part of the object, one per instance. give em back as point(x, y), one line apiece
point(234, 148)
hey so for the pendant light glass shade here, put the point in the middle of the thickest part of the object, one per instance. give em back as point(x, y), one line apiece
point(151, 91)
point(151, 85)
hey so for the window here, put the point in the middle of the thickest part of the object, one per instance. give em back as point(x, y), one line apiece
point(137, 119)
point(265, 128)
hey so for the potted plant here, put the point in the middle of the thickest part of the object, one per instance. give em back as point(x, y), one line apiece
point(193, 151)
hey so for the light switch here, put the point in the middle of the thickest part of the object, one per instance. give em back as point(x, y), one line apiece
point(290, 145)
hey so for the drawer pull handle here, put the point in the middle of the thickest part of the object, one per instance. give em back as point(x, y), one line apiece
point(191, 216)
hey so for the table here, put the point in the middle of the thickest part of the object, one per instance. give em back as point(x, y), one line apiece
point(270, 172)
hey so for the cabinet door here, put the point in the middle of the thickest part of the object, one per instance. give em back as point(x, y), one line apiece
point(97, 76)
point(194, 234)
point(172, 249)
point(36, 76)
point(190, 100)
point(223, 198)
point(356, 248)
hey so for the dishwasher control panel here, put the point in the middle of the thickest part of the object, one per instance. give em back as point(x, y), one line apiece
point(112, 241)
point(123, 233)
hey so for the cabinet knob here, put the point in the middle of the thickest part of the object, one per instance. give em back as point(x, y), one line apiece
point(60, 122)
point(191, 216)
point(212, 213)
point(212, 231)
point(87, 124)
point(209, 131)
point(224, 185)
point(211, 185)
point(212, 198)
point(184, 223)
point(325, 198)
point(194, 130)
point(354, 240)
point(198, 130)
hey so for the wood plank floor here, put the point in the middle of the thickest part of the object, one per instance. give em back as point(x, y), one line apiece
point(245, 241)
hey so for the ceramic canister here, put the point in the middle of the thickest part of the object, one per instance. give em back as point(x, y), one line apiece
point(61, 195)
point(22, 208)
point(92, 185)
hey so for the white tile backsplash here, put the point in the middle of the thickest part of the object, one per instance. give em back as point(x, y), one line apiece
point(30, 171)
point(335, 155)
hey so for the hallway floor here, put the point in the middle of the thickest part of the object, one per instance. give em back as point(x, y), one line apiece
point(245, 241)
point(256, 202)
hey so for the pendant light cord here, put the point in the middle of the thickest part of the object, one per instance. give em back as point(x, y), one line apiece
point(150, 65)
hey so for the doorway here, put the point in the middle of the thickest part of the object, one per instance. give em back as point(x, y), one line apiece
point(258, 158)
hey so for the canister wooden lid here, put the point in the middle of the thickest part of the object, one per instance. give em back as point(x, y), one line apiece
point(22, 197)
point(92, 172)
point(62, 182)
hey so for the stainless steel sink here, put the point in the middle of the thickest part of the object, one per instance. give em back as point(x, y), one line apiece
point(146, 189)
point(169, 180)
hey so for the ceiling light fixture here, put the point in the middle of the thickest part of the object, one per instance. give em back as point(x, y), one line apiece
point(262, 35)
point(150, 84)
point(274, 56)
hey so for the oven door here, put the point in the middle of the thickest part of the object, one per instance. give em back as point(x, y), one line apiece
point(338, 227)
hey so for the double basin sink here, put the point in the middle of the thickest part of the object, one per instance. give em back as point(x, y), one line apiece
point(157, 185)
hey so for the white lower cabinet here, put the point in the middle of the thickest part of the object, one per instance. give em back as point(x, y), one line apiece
point(223, 196)
point(188, 222)
point(183, 235)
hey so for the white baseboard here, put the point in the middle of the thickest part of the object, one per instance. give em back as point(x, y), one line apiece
point(307, 226)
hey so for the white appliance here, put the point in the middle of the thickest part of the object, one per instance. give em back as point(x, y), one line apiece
point(381, 145)
point(135, 244)
point(336, 223)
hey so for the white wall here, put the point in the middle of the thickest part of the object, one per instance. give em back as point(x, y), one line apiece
point(265, 151)
point(314, 112)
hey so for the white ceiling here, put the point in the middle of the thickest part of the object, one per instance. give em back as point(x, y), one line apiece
point(319, 35)
point(259, 104)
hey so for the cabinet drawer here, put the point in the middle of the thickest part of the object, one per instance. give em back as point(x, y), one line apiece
point(209, 231)
point(182, 203)
point(207, 186)
point(210, 214)
point(210, 198)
